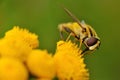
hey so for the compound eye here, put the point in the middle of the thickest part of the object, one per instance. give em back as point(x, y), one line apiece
point(91, 41)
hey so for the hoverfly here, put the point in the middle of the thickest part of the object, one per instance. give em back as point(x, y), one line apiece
point(82, 32)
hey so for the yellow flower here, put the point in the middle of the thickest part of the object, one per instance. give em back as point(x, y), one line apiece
point(18, 43)
point(69, 62)
point(14, 48)
point(23, 34)
point(12, 69)
point(41, 64)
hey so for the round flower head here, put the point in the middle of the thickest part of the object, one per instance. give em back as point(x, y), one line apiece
point(14, 48)
point(12, 69)
point(41, 64)
point(69, 62)
point(23, 34)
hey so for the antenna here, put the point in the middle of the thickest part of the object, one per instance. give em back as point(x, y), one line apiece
point(73, 17)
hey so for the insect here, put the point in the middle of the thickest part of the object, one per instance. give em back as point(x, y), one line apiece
point(82, 32)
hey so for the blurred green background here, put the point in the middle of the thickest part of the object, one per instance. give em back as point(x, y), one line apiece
point(43, 16)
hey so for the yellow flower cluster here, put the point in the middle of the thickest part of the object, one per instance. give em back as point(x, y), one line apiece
point(69, 63)
point(20, 59)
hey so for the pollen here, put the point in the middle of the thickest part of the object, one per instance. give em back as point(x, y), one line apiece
point(69, 62)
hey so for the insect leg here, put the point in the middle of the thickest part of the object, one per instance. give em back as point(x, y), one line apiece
point(61, 35)
point(80, 43)
point(84, 51)
point(68, 36)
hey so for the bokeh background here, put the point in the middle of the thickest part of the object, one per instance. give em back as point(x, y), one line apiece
point(43, 16)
